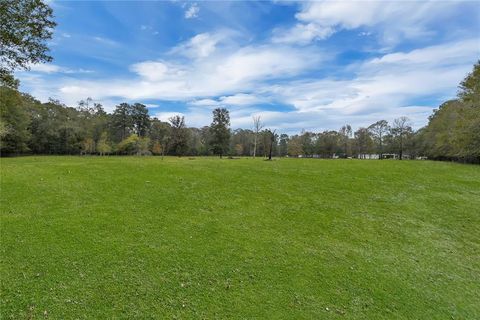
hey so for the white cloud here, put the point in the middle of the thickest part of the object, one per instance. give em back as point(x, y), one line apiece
point(384, 87)
point(200, 46)
point(242, 99)
point(239, 99)
point(105, 41)
point(164, 116)
point(396, 19)
point(45, 68)
point(154, 70)
point(223, 74)
point(192, 11)
point(302, 33)
point(205, 102)
point(53, 68)
point(251, 63)
point(218, 73)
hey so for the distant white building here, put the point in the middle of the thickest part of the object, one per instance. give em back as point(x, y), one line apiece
point(374, 156)
point(369, 156)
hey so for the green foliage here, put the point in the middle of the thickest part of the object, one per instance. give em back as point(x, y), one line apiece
point(55, 129)
point(345, 137)
point(363, 141)
point(103, 145)
point(470, 87)
point(401, 132)
point(220, 131)
point(88, 146)
point(134, 145)
point(14, 122)
point(128, 237)
point(122, 122)
point(294, 147)
point(25, 26)
point(157, 148)
point(178, 136)
point(453, 131)
point(328, 144)
point(140, 119)
point(378, 131)
point(283, 145)
point(159, 136)
point(4, 129)
point(307, 140)
point(127, 119)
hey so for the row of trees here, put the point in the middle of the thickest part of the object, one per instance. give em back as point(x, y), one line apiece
point(29, 126)
point(379, 138)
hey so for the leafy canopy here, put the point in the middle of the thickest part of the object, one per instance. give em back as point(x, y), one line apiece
point(25, 26)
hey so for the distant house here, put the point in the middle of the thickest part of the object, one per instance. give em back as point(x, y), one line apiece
point(368, 156)
point(384, 156)
point(390, 156)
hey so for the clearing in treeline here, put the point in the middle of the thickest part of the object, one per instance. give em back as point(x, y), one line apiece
point(141, 237)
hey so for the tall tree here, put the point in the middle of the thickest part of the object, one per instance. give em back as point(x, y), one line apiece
point(25, 26)
point(363, 141)
point(295, 146)
point(140, 119)
point(205, 138)
point(273, 138)
point(92, 120)
point(122, 122)
point(400, 130)
point(283, 145)
point(378, 130)
point(308, 140)
point(220, 131)
point(257, 126)
point(346, 132)
point(328, 144)
point(159, 136)
point(178, 137)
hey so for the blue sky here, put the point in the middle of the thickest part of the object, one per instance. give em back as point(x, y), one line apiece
point(299, 65)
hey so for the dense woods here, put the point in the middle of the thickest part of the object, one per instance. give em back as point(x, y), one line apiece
point(30, 127)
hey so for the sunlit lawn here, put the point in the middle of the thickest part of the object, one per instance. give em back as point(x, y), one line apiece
point(142, 237)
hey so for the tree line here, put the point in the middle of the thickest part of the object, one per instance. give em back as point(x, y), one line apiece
point(28, 126)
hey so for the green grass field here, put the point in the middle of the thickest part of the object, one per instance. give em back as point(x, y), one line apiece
point(141, 237)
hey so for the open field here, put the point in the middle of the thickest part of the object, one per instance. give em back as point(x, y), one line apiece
point(126, 237)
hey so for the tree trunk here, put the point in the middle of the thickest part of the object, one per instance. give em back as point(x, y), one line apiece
point(401, 148)
point(381, 148)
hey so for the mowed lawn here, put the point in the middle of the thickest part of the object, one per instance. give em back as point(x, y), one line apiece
point(204, 238)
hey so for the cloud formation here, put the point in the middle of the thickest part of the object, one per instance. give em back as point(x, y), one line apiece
point(394, 20)
point(337, 63)
point(192, 11)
